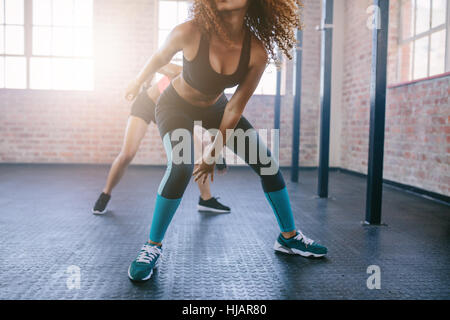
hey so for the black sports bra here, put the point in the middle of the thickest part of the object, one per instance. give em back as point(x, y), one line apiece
point(199, 74)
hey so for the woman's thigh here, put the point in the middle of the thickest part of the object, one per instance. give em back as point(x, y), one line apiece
point(248, 145)
point(212, 117)
point(171, 115)
point(179, 147)
point(134, 132)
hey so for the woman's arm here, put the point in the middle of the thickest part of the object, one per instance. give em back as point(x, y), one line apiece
point(233, 113)
point(171, 70)
point(238, 101)
point(174, 43)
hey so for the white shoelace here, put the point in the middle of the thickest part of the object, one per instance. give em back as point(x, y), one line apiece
point(303, 238)
point(148, 253)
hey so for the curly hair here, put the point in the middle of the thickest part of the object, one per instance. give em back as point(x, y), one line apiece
point(273, 22)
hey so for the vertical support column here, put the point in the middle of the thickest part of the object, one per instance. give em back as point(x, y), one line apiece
point(28, 20)
point(325, 96)
point(297, 106)
point(377, 112)
point(447, 51)
point(277, 112)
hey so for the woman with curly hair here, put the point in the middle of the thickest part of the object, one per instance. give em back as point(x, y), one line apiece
point(226, 43)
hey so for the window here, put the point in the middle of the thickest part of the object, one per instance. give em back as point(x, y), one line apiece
point(12, 39)
point(174, 12)
point(171, 14)
point(268, 83)
point(46, 44)
point(423, 39)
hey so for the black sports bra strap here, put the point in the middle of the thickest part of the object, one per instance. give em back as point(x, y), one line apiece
point(245, 56)
point(203, 50)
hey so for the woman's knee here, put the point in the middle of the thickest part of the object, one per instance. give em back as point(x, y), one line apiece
point(183, 171)
point(273, 182)
point(126, 156)
point(175, 180)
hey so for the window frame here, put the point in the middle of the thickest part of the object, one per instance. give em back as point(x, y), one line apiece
point(411, 40)
point(28, 51)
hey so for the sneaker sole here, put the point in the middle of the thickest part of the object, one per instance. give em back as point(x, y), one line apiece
point(206, 209)
point(278, 247)
point(147, 277)
point(96, 212)
point(139, 280)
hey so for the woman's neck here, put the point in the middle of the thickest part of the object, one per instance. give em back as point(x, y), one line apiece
point(234, 23)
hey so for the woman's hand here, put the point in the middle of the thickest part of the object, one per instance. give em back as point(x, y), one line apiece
point(202, 171)
point(132, 90)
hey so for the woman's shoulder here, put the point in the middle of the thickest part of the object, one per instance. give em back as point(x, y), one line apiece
point(184, 34)
point(188, 36)
point(258, 52)
point(187, 29)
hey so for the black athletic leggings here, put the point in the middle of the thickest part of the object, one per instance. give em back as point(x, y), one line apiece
point(173, 112)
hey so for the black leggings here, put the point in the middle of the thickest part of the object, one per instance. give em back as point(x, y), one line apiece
point(173, 112)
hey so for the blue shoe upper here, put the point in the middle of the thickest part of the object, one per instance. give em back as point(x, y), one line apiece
point(303, 243)
point(145, 262)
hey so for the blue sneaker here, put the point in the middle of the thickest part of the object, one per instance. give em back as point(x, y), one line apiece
point(299, 244)
point(141, 268)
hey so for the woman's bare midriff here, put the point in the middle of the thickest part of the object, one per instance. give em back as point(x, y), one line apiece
point(192, 95)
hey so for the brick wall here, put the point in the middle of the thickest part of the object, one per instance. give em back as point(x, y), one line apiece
point(356, 86)
point(417, 143)
point(417, 146)
point(88, 127)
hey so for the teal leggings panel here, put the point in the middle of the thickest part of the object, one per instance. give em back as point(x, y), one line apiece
point(281, 206)
point(162, 216)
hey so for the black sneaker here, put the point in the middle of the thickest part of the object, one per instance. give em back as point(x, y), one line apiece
point(100, 205)
point(212, 205)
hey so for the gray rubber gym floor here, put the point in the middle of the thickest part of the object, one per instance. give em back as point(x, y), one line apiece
point(47, 226)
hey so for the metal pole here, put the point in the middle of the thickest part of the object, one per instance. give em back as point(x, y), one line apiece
point(325, 96)
point(278, 95)
point(28, 19)
point(377, 112)
point(297, 106)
